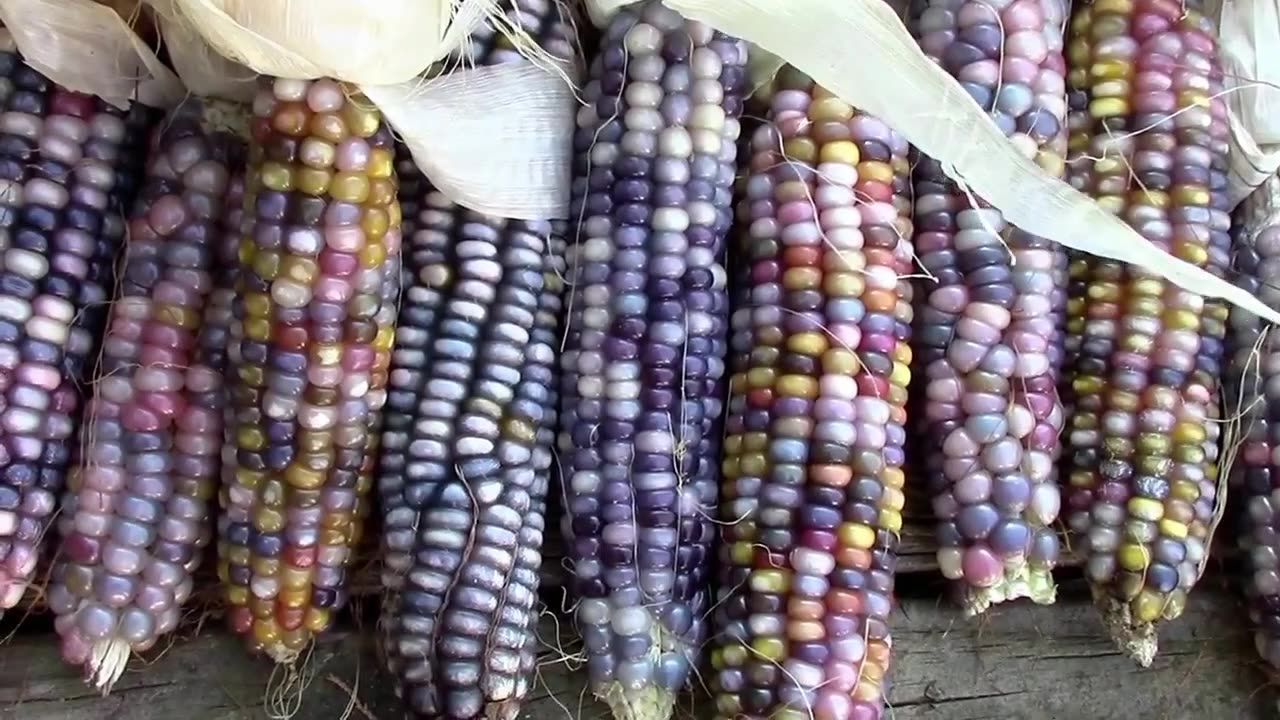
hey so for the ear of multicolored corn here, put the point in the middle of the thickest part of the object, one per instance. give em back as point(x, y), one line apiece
point(990, 334)
point(66, 168)
point(1143, 485)
point(136, 514)
point(644, 352)
point(814, 450)
point(469, 430)
point(1252, 396)
point(311, 342)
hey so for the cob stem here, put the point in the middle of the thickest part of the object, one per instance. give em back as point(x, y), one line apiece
point(643, 361)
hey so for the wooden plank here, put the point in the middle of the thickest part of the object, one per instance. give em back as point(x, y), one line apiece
point(1020, 662)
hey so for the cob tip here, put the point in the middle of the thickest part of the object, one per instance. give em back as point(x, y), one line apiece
point(646, 703)
point(1024, 581)
point(107, 661)
point(1135, 638)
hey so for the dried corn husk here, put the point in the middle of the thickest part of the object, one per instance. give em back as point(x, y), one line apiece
point(1249, 35)
point(88, 47)
point(495, 139)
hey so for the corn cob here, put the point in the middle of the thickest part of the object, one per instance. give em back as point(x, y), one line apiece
point(643, 367)
point(311, 342)
point(65, 179)
point(1144, 494)
point(469, 431)
point(816, 432)
point(1253, 398)
point(1078, 166)
point(136, 516)
point(991, 336)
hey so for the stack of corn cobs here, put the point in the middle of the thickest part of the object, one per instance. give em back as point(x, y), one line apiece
point(767, 324)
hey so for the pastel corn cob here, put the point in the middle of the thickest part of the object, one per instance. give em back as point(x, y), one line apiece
point(991, 333)
point(1143, 494)
point(311, 343)
point(136, 517)
point(814, 453)
point(67, 170)
point(469, 431)
point(643, 362)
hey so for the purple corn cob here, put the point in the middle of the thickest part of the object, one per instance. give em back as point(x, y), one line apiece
point(136, 512)
point(469, 430)
point(643, 367)
point(67, 167)
point(991, 333)
point(1253, 396)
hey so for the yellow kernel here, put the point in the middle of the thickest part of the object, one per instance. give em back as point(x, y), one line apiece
point(770, 581)
point(265, 631)
point(372, 255)
point(1133, 557)
point(257, 305)
point(800, 149)
point(257, 329)
point(268, 520)
point(361, 116)
point(375, 223)
point(844, 284)
point(900, 375)
point(1147, 606)
point(753, 464)
point(890, 520)
point(381, 163)
point(843, 152)
point(798, 386)
point(304, 478)
point(1146, 508)
point(856, 535)
point(808, 343)
point(1108, 107)
point(276, 176)
point(1186, 432)
point(1173, 529)
point(264, 566)
point(350, 187)
point(236, 594)
point(831, 109)
point(313, 182)
point(316, 620)
point(770, 649)
point(876, 172)
point(251, 438)
point(741, 553)
point(840, 361)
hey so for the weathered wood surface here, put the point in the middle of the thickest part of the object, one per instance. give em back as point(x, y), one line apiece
point(1020, 663)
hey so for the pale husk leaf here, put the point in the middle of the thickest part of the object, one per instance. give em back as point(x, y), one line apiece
point(497, 140)
point(507, 164)
point(1249, 42)
point(87, 47)
point(203, 70)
